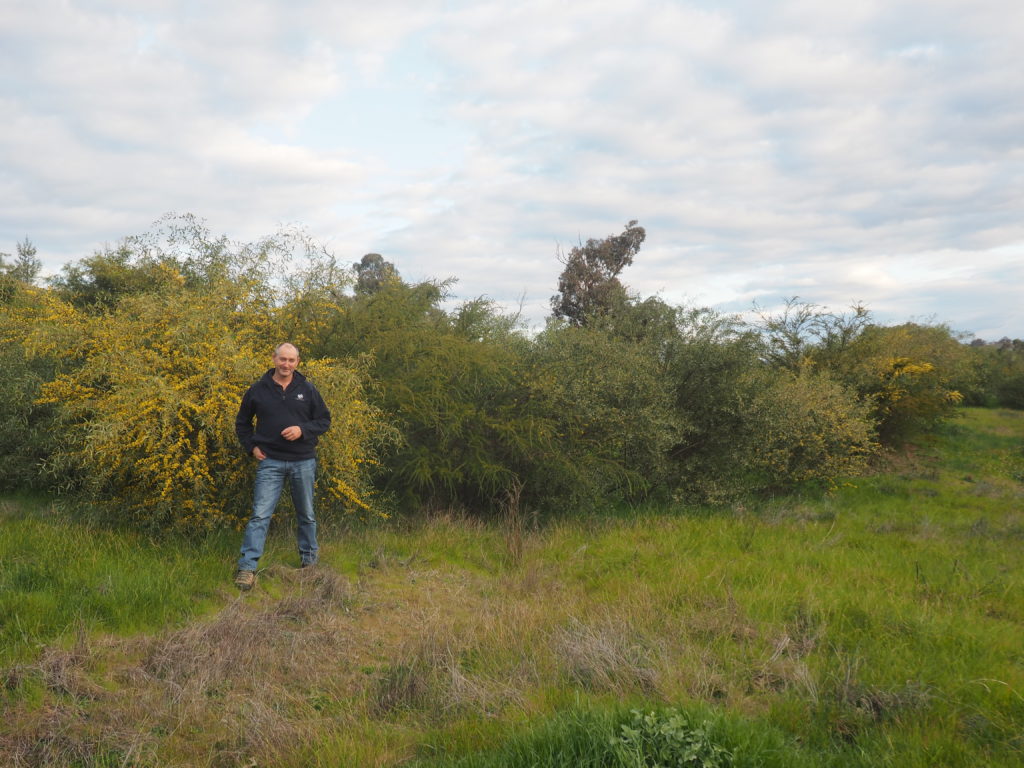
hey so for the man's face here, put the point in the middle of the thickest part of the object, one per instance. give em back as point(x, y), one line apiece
point(285, 360)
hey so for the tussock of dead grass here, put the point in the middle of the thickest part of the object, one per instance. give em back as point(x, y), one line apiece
point(607, 656)
point(848, 706)
point(70, 730)
point(431, 676)
point(50, 740)
point(63, 671)
point(230, 684)
point(785, 668)
point(240, 643)
point(715, 619)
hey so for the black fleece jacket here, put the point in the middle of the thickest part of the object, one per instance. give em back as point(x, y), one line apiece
point(275, 408)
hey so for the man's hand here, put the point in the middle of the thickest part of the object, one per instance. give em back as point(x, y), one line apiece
point(259, 454)
point(291, 433)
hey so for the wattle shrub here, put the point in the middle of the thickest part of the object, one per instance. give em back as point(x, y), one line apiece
point(148, 413)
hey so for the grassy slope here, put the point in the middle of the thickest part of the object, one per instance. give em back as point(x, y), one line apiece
point(880, 626)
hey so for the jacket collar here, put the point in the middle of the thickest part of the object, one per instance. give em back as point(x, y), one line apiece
point(268, 378)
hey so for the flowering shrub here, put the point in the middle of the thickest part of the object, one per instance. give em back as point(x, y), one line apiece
point(912, 375)
point(149, 411)
point(804, 429)
point(348, 453)
point(124, 378)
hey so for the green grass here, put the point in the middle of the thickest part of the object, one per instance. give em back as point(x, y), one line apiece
point(878, 626)
point(59, 578)
point(581, 735)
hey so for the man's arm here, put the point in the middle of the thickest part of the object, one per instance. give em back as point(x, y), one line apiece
point(243, 422)
point(319, 418)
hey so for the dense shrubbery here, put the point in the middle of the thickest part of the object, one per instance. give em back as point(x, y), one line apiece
point(1000, 374)
point(451, 383)
point(148, 413)
point(610, 407)
point(27, 426)
point(125, 375)
point(913, 376)
point(801, 428)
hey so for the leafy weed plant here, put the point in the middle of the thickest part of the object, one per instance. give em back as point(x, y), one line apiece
point(669, 738)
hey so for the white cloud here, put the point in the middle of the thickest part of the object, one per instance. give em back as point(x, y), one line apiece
point(836, 151)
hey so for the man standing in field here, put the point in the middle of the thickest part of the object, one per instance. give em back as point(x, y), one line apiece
point(290, 416)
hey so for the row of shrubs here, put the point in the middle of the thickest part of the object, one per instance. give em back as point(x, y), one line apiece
point(125, 371)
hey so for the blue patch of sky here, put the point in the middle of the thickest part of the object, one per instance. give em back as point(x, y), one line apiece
point(395, 117)
point(147, 38)
point(911, 32)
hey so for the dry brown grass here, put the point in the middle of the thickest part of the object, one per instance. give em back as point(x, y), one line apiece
point(302, 657)
point(231, 684)
point(607, 656)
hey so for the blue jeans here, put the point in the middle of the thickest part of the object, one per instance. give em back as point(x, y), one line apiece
point(270, 477)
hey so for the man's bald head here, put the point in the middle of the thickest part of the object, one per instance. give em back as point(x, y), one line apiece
point(285, 361)
point(287, 347)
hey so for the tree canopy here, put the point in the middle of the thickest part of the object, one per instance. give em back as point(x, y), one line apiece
point(589, 284)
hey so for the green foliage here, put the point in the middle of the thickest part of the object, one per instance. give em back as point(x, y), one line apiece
point(1000, 374)
point(667, 739)
point(715, 421)
point(314, 296)
point(22, 269)
point(100, 281)
point(576, 413)
point(801, 429)
point(806, 334)
point(453, 385)
point(751, 427)
point(373, 273)
point(709, 358)
point(612, 411)
point(179, 252)
point(27, 428)
point(912, 375)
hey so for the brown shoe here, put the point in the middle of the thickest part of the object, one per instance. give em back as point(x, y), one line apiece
point(244, 580)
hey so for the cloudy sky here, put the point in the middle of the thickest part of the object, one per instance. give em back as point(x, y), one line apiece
point(867, 151)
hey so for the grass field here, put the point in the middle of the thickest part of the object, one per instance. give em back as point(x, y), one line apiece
point(878, 626)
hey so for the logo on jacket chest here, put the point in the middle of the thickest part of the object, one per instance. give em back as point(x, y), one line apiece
point(300, 396)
